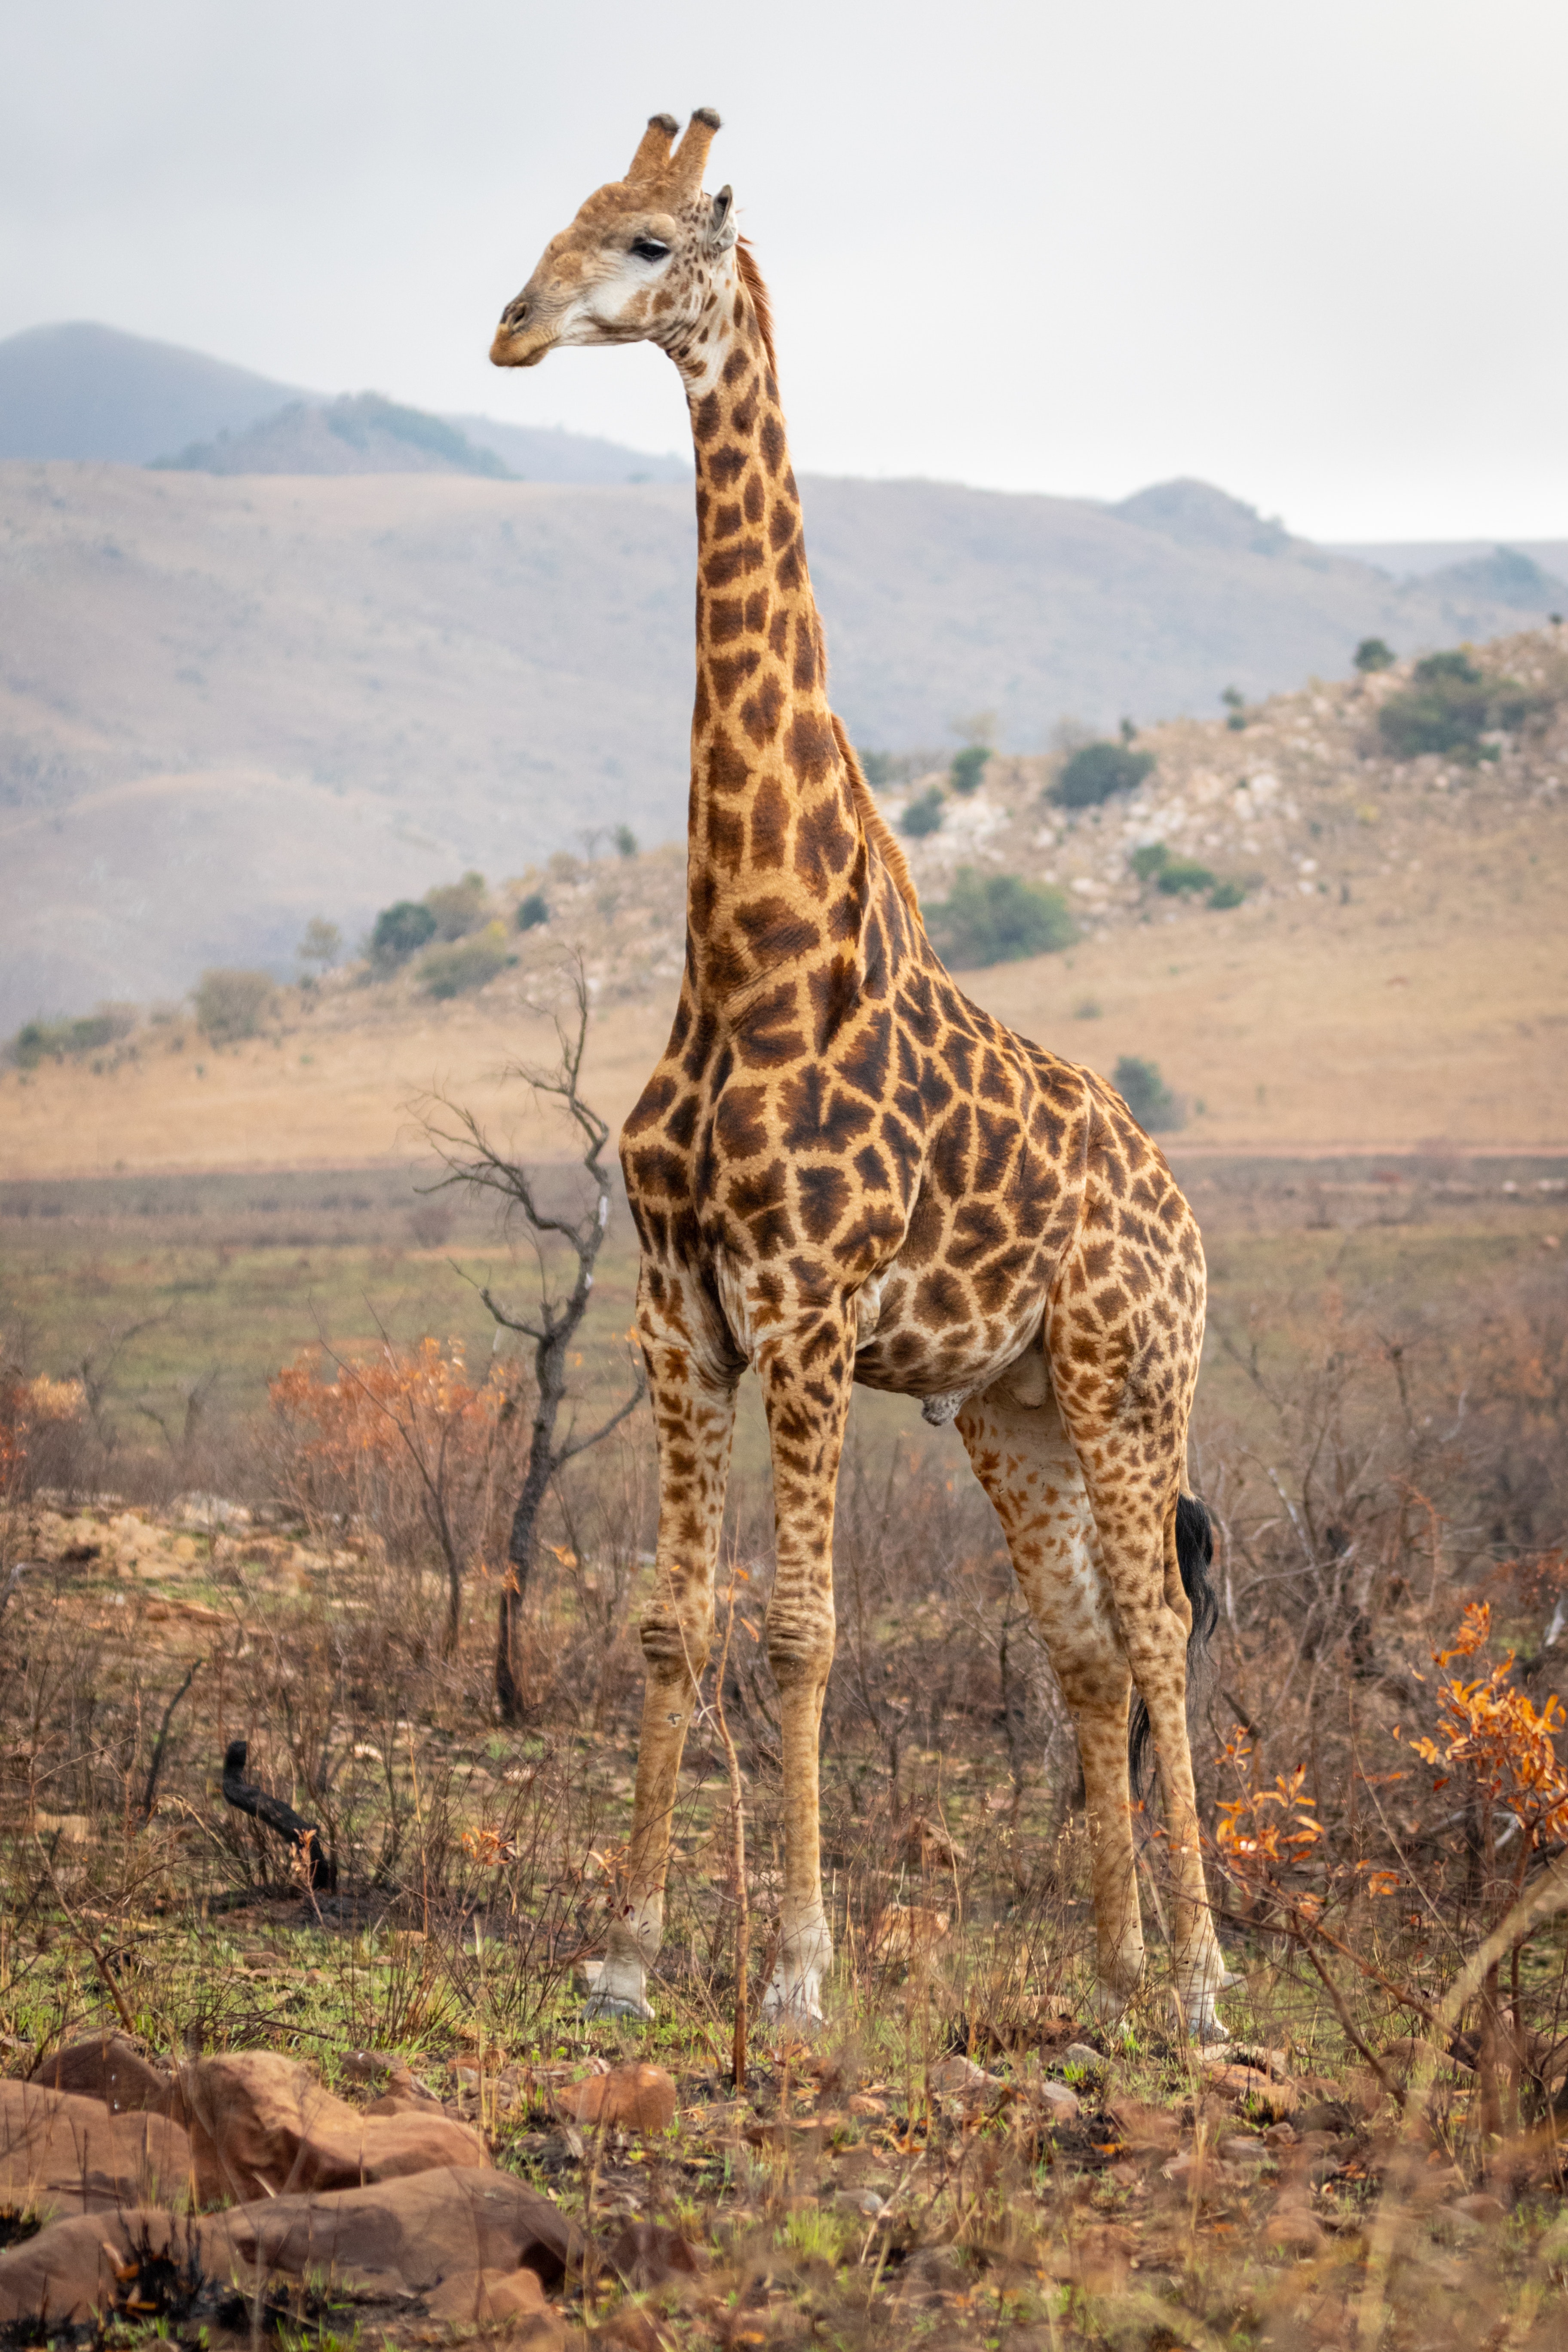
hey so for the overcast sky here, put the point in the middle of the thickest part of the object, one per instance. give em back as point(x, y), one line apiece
point(1312, 252)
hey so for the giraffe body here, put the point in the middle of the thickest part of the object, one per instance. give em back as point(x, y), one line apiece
point(842, 1170)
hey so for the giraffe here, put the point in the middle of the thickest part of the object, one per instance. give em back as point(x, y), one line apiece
point(841, 1169)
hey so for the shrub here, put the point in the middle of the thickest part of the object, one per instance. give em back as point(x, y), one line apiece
point(459, 908)
point(626, 844)
point(1146, 1095)
point(399, 932)
point(1227, 893)
point(876, 767)
point(924, 816)
point(998, 919)
point(531, 911)
point(1148, 858)
point(231, 1004)
point(1449, 706)
point(1098, 772)
point(1373, 654)
point(968, 767)
point(467, 964)
point(322, 945)
point(1181, 874)
point(1234, 703)
point(38, 1041)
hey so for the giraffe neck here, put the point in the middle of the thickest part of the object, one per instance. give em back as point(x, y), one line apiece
point(773, 833)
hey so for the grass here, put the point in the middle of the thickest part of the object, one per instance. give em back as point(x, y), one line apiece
point(1380, 1437)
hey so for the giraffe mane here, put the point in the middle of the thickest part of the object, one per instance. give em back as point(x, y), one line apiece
point(751, 278)
point(875, 825)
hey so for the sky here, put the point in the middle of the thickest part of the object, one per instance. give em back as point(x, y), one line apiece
point(1309, 252)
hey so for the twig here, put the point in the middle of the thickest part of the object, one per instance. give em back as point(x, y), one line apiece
point(89, 1943)
point(151, 1791)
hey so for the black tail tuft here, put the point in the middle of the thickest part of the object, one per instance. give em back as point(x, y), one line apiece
point(1194, 1554)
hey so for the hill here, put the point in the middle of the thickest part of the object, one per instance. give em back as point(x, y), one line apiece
point(1391, 976)
point(83, 391)
point(229, 702)
point(360, 434)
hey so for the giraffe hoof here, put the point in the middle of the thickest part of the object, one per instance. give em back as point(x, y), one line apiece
point(600, 2005)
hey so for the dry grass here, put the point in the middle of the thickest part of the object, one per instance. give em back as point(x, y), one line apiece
point(1383, 1445)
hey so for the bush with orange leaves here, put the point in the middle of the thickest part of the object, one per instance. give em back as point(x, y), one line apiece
point(26, 1406)
point(402, 1447)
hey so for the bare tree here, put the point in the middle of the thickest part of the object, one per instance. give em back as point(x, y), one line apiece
point(551, 1320)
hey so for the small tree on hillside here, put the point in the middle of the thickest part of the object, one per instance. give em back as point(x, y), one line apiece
point(551, 1320)
point(232, 1004)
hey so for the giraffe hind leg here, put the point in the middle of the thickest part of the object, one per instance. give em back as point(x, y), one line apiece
point(1024, 1460)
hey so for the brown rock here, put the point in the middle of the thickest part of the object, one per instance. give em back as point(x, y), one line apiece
point(482, 2295)
point(258, 2121)
point(90, 2262)
point(630, 2330)
point(628, 2098)
point(1293, 2230)
point(483, 2239)
point(647, 2256)
point(112, 2069)
point(421, 2229)
point(1489, 2210)
point(70, 2154)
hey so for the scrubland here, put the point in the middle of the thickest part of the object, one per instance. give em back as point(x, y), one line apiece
point(961, 2156)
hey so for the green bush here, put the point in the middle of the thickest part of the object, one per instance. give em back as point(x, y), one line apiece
point(1449, 706)
point(459, 908)
point(626, 844)
point(531, 911)
point(924, 816)
point(1146, 1095)
point(876, 767)
point(400, 931)
point(996, 919)
point(1234, 703)
point(1178, 875)
point(467, 964)
point(1152, 862)
point(231, 1004)
point(42, 1040)
point(1374, 654)
point(1098, 772)
point(968, 767)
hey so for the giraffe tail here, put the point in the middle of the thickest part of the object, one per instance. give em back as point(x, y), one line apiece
point(1194, 1556)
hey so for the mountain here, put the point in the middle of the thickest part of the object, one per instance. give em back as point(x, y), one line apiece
point(1321, 945)
point(360, 434)
point(228, 702)
point(85, 391)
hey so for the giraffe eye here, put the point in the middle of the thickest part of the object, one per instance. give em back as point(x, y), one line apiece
point(648, 248)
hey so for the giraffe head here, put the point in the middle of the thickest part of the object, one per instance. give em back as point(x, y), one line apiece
point(638, 263)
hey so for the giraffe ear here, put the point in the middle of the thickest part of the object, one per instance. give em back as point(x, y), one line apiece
point(721, 227)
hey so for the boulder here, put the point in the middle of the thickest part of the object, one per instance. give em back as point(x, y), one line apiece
point(483, 2243)
point(628, 2098)
point(71, 2155)
point(261, 2122)
point(92, 2262)
point(475, 2297)
point(421, 2229)
point(112, 2069)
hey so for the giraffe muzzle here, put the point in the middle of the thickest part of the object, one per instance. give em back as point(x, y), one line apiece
point(522, 338)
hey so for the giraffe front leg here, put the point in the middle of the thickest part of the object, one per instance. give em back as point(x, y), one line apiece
point(694, 1416)
point(806, 1378)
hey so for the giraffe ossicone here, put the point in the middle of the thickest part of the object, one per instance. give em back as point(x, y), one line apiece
point(842, 1170)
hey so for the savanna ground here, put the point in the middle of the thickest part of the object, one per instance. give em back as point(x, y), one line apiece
point(1380, 1436)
